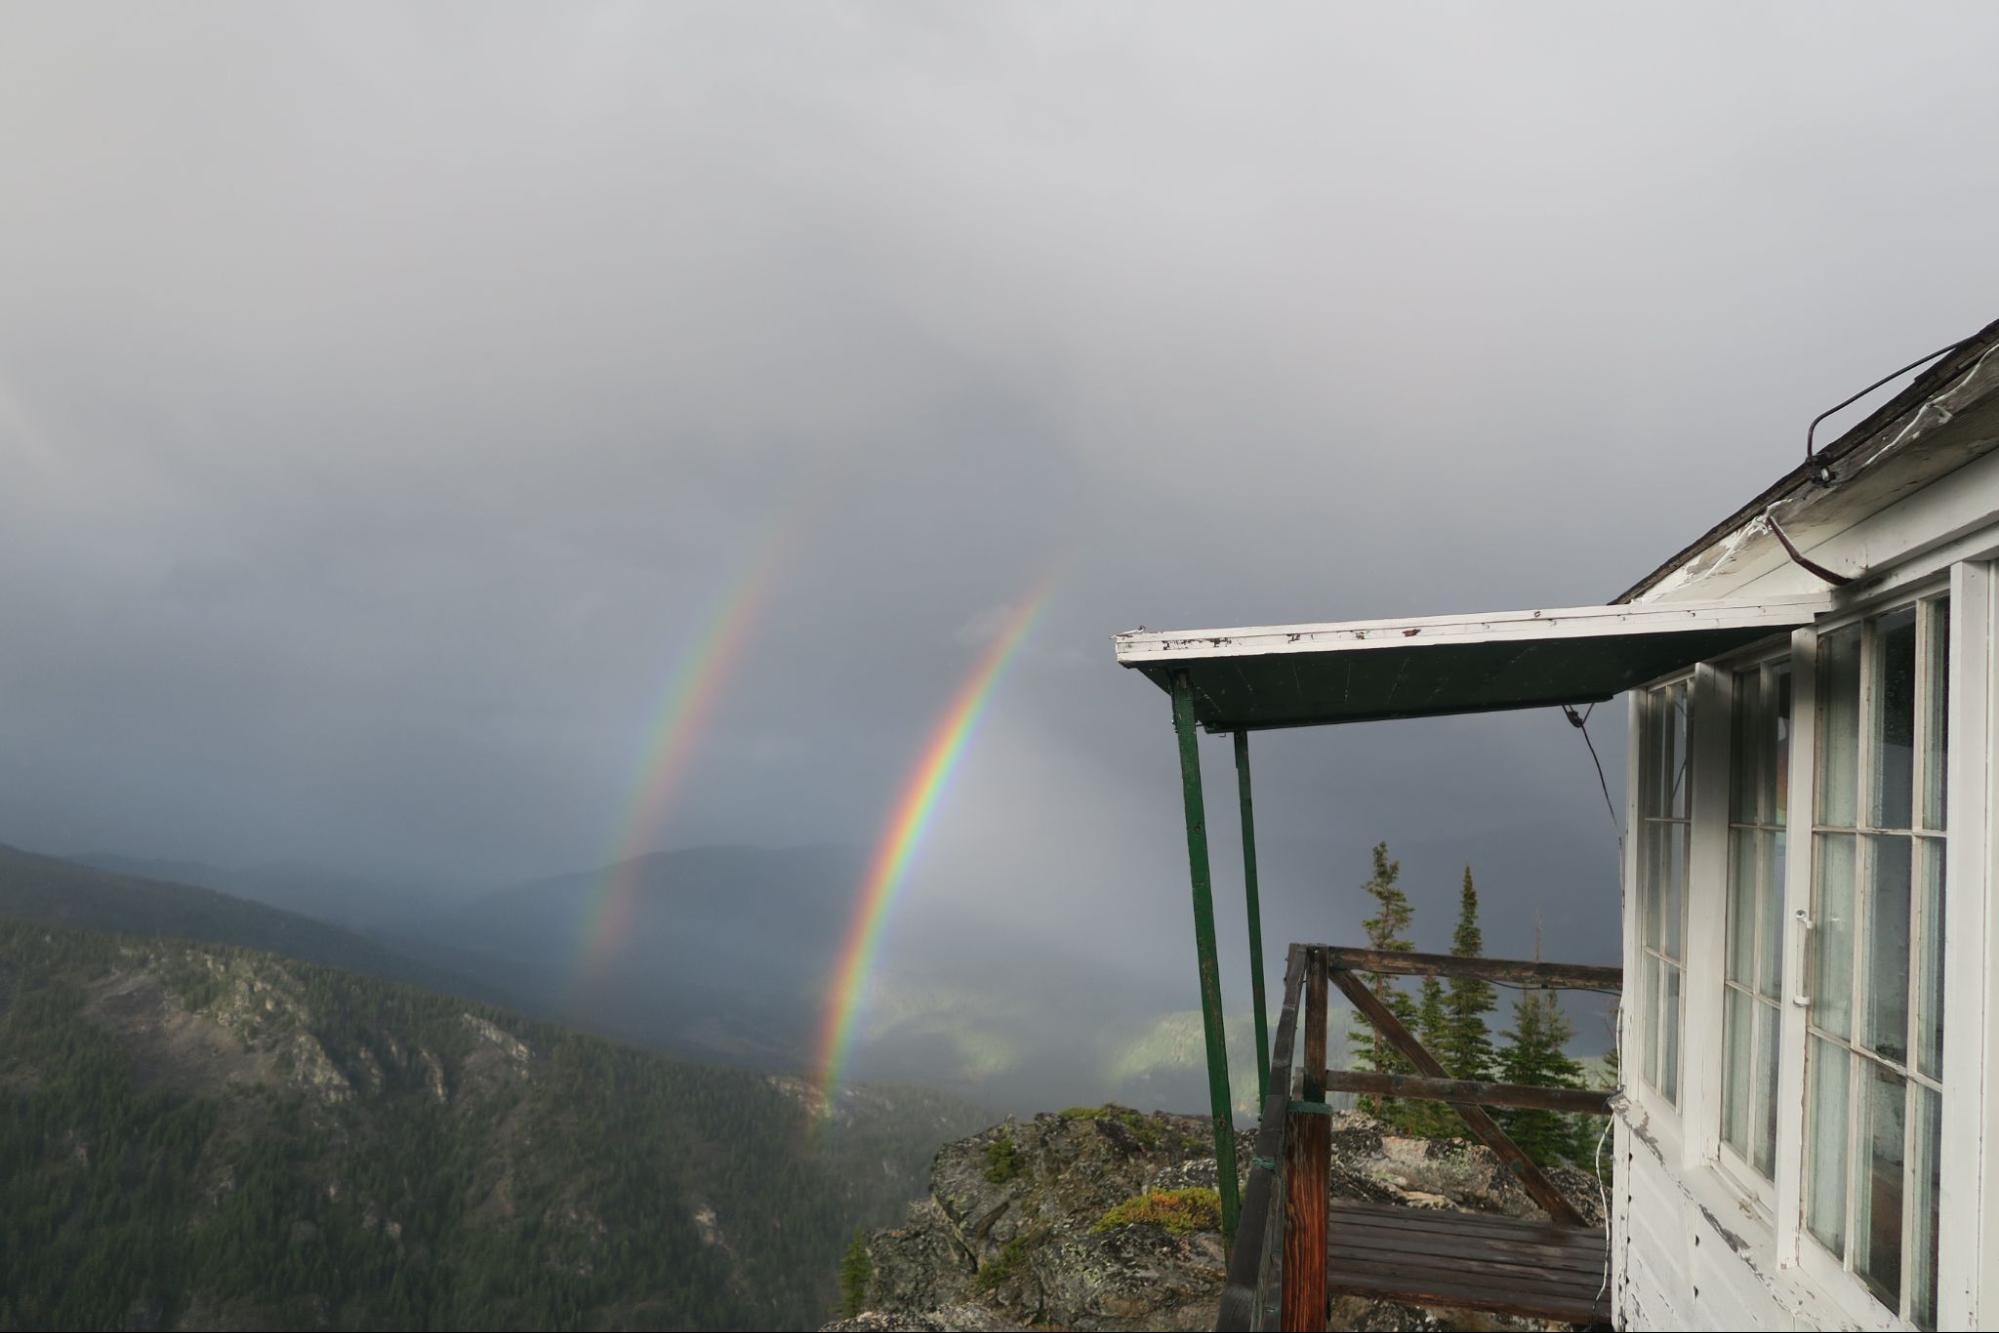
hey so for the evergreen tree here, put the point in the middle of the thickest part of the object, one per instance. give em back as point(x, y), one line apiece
point(1465, 1046)
point(1534, 1055)
point(1385, 932)
point(856, 1269)
point(1433, 1027)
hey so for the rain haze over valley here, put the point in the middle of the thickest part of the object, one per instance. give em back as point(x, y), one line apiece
point(400, 406)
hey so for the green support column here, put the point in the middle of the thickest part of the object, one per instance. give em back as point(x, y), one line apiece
point(1255, 917)
point(1204, 947)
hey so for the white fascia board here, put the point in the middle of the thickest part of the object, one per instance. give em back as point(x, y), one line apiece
point(1139, 647)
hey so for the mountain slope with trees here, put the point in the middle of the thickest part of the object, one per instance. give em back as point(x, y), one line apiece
point(202, 1136)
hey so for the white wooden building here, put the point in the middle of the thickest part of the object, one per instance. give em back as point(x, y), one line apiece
point(1810, 1019)
point(1809, 1029)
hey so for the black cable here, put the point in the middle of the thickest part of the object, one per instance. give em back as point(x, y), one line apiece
point(1823, 477)
point(1581, 723)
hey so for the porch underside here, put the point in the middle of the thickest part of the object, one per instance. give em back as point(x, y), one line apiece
point(1261, 677)
point(1502, 1265)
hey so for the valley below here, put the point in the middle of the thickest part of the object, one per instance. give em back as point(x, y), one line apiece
point(201, 1136)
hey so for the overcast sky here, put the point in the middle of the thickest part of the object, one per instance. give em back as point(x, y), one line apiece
point(387, 393)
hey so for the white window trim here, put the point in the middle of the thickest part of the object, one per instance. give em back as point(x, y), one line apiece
point(1819, 1278)
point(1664, 1116)
point(1914, 595)
point(1968, 1258)
point(1706, 920)
point(1968, 1262)
point(1797, 902)
point(1738, 1173)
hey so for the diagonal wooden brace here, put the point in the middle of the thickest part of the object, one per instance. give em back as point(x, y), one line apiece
point(1483, 1127)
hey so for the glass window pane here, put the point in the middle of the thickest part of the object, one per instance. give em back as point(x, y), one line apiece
point(1746, 744)
point(1935, 785)
point(1764, 1155)
point(1895, 717)
point(1780, 778)
point(1877, 1221)
point(1648, 1018)
point(1929, 1166)
point(1839, 723)
point(1681, 803)
point(1673, 903)
point(1886, 941)
point(1736, 1088)
point(1651, 855)
point(1832, 936)
point(1660, 733)
point(1770, 967)
point(1929, 982)
point(1825, 1153)
point(1669, 1032)
point(1742, 902)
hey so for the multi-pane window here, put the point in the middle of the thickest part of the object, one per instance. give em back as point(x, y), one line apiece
point(1874, 1060)
point(1753, 977)
point(1665, 804)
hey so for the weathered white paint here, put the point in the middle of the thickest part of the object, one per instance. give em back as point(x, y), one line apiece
point(1968, 1269)
point(1138, 647)
point(1936, 438)
point(1873, 544)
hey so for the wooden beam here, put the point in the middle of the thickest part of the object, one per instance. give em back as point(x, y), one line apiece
point(1538, 1186)
point(1397, 962)
point(1570, 1101)
point(1308, 1168)
point(1315, 1026)
point(1308, 1140)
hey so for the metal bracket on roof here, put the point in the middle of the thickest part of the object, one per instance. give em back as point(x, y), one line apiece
point(1810, 566)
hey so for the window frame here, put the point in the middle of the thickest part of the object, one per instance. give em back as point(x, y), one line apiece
point(1646, 765)
point(1740, 1171)
point(1928, 845)
point(1803, 1277)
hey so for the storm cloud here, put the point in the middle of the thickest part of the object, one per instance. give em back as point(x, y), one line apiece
point(388, 394)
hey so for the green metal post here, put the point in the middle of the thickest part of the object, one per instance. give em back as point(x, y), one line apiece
point(1204, 946)
point(1255, 917)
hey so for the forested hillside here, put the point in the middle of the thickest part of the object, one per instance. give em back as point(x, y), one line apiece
point(196, 1135)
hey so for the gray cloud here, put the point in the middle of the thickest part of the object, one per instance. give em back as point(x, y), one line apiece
point(386, 396)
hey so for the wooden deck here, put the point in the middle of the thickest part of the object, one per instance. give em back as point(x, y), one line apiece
point(1504, 1265)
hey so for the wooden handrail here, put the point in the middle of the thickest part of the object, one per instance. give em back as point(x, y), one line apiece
point(1399, 962)
point(1569, 1101)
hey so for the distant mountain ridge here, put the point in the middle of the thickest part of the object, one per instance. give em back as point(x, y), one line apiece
point(718, 952)
point(361, 903)
point(35, 887)
point(723, 954)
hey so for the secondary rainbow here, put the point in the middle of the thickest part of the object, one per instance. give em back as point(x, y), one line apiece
point(908, 821)
point(687, 707)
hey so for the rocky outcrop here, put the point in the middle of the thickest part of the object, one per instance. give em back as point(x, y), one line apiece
point(1106, 1218)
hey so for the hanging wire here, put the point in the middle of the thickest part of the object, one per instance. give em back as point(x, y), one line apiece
point(1580, 721)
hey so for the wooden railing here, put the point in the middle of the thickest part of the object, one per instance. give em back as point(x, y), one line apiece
point(1278, 1266)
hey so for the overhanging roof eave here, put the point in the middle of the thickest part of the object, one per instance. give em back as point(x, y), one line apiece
point(1269, 677)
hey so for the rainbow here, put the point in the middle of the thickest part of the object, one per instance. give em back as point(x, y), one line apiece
point(687, 707)
point(908, 821)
